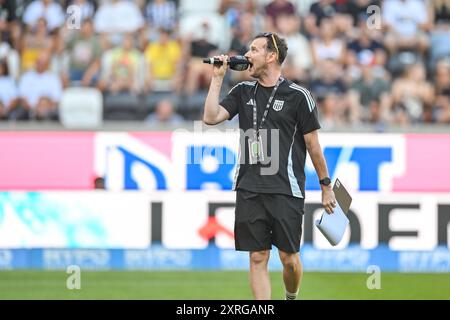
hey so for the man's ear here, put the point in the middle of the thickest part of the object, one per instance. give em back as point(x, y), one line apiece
point(273, 55)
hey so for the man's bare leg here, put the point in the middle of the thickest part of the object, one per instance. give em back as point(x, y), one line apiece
point(292, 273)
point(259, 275)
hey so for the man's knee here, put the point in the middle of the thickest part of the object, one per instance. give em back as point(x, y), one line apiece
point(290, 260)
point(45, 103)
point(259, 257)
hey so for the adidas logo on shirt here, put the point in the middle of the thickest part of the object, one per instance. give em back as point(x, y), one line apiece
point(251, 102)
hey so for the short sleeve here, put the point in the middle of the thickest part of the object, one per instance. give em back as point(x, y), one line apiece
point(231, 101)
point(308, 115)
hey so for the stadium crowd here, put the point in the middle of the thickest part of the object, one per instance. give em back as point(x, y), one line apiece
point(365, 61)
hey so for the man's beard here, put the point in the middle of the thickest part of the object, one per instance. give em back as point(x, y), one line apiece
point(259, 72)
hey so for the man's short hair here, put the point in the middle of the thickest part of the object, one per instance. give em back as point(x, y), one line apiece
point(275, 44)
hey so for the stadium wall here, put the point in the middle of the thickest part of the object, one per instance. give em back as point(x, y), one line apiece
point(194, 230)
point(183, 160)
point(168, 203)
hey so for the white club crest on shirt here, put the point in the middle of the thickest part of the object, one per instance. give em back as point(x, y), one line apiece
point(278, 105)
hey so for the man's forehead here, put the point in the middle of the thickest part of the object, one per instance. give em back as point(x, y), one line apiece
point(259, 43)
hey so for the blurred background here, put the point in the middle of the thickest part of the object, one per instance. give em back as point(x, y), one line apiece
point(103, 165)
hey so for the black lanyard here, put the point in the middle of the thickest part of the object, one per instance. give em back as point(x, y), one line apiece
point(266, 111)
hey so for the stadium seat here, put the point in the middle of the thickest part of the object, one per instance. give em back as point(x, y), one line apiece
point(81, 107)
point(123, 106)
point(191, 106)
point(152, 99)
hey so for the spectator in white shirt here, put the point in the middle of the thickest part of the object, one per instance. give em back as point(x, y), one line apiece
point(406, 21)
point(115, 17)
point(40, 90)
point(8, 91)
point(48, 9)
point(299, 58)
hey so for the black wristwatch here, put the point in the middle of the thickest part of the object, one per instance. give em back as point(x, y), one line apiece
point(325, 181)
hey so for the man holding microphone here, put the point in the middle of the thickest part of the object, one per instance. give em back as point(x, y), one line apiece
point(270, 206)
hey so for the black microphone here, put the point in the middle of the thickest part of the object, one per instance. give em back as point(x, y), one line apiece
point(237, 63)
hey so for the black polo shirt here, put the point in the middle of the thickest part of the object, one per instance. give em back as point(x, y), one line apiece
point(293, 112)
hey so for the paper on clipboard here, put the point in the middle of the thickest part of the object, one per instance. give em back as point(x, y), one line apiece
point(333, 226)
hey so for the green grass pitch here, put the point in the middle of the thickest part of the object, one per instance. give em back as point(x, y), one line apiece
point(220, 285)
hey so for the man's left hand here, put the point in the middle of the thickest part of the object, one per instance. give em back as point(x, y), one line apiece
point(328, 200)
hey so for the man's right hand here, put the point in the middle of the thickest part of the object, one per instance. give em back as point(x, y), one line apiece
point(220, 70)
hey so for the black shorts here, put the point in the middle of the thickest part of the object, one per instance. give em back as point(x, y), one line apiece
point(265, 219)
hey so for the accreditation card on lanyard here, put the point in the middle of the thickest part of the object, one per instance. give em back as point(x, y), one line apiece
point(255, 144)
